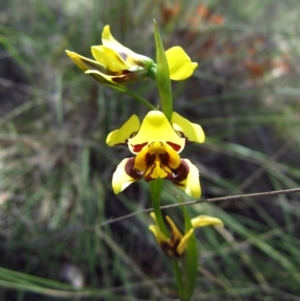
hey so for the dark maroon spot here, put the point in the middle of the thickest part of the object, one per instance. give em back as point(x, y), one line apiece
point(150, 159)
point(133, 134)
point(182, 171)
point(175, 146)
point(161, 166)
point(164, 159)
point(187, 141)
point(131, 171)
point(148, 177)
point(180, 134)
point(138, 147)
point(179, 174)
point(120, 78)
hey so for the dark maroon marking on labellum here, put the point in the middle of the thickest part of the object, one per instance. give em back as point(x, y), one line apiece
point(131, 171)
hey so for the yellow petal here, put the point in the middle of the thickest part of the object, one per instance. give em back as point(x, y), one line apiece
point(156, 127)
point(191, 185)
point(85, 63)
point(180, 64)
point(173, 157)
point(160, 237)
point(157, 171)
point(121, 179)
point(182, 245)
point(140, 162)
point(109, 41)
point(130, 57)
point(176, 234)
point(192, 131)
point(109, 58)
point(153, 216)
point(126, 131)
point(205, 220)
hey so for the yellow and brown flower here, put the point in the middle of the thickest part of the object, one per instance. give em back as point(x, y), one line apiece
point(175, 245)
point(157, 144)
point(116, 64)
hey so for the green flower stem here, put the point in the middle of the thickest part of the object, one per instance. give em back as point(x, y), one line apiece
point(190, 265)
point(162, 76)
point(178, 277)
point(139, 98)
point(155, 190)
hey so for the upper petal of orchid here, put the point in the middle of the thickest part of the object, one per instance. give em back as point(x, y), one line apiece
point(130, 57)
point(127, 130)
point(192, 131)
point(124, 175)
point(109, 58)
point(156, 127)
point(109, 41)
point(205, 220)
point(180, 64)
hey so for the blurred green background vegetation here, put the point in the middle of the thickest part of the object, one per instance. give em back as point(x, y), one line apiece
point(55, 175)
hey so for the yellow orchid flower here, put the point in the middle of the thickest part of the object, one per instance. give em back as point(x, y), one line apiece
point(175, 246)
point(156, 145)
point(116, 64)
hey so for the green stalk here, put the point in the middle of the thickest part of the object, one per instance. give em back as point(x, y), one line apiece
point(155, 190)
point(177, 273)
point(190, 263)
point(162, 76)
point(139, 98)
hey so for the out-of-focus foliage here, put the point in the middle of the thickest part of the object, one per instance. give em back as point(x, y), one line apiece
point(55, 174)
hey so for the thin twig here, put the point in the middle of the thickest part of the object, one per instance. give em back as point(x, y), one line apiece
point(224, 198)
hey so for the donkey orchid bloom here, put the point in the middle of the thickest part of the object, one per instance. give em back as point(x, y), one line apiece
point(156, 145)
point(175, 245)
point(116, 64)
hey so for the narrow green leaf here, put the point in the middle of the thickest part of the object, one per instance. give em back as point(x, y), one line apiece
point(162, 77)
point(178, 277)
